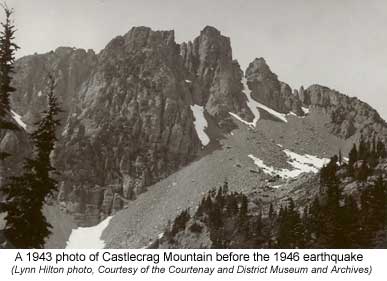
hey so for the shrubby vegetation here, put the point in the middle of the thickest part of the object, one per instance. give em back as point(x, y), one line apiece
point(24, 195)
point(333, 219)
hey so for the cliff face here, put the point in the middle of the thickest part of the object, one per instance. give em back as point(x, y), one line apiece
point(128, 121)
point(16, 144)
point(71, 68)
point(268, 90)
point(349, 116)
point(213, 75)
point(133, 124)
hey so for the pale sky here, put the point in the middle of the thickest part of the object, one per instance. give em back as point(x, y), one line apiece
point(341, 44)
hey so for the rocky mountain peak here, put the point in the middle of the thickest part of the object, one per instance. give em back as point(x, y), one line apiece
point(214, 76)
point(142, 36)
point(349, 116)
point(143, 41)
point(258, 69)
point(207, 51)
point(208, 29)
point(128, 110)
point(268, 90)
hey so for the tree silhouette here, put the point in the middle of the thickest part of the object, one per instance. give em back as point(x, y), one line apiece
point(7, 58)
point(26, 226)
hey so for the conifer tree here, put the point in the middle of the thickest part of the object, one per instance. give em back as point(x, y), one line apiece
point(291, 229)
point(314, 220)
point(272, 213)
point(350, 223)
point(363, 149)
point(353, 157)
point(381, 149)
point(44, 139)
point(26, 226)
point(7, 58)
point(363, 171)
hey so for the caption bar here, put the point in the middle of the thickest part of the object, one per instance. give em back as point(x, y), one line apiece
point(192, 264)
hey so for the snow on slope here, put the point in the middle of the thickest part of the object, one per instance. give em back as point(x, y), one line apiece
point(280, 116)
point(19, 120)
point(251, 103)
point(305, 110)
point(200, 123)
point(301, 163)
point(88, 237)
point(292, 114)
point(306, 163)
point(254, 105)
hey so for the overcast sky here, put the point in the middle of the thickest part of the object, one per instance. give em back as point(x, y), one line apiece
point(338, 43)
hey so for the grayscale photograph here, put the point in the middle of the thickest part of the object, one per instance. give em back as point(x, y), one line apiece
point(254, 124)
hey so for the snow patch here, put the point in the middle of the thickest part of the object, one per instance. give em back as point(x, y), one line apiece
point(280, 116)
point(301, 163)
point(39, 93)
point(188, 81)
point(19, 120)
point(200, 123)
point(88, 237)
point(292, 114)
point(251, 103)
point(305, 163)
point(254, 105)
point(305, 110)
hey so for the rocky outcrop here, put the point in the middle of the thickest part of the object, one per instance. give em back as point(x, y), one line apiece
point(348, 115)
point(127, 120)
point(70, 67)
point(268, 90)
point(128, 123)
point(213, 76)
point(15, 143)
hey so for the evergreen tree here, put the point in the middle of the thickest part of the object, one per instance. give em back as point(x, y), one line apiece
point(231, 205)
point(243, 222)
point(180, 222)
point(44, 139)
point(353, 157)
point(291, 229)
point(313, 222)
point(298, 229)
point(26, 226)
point(331, 230)
point(373, 203)
point(350, 223)
point(258, 236)
point(381, 149)
point(272, 213)
point(363, 149)
point(7, 59)
point(363, 171)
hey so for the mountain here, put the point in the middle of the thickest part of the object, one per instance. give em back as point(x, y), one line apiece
point(151, 125)
point(15, 143)
point(309, 215)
